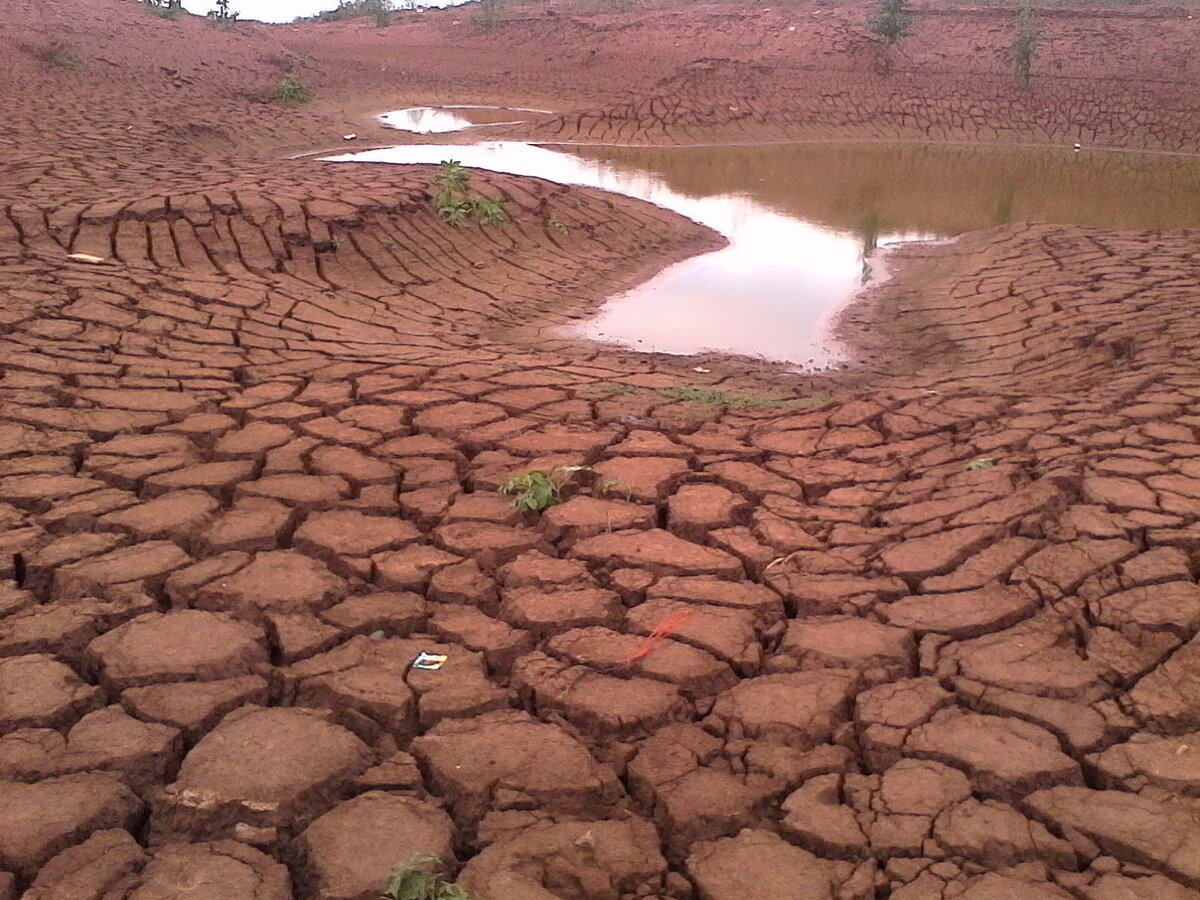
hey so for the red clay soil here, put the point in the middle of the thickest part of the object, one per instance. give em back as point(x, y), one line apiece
point(926, 629)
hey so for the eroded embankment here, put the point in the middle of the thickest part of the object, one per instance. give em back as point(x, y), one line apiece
point(1111, 76)
point(1038, 308)
point(934, 636)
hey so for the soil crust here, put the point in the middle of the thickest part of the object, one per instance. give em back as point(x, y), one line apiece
point(925, 628)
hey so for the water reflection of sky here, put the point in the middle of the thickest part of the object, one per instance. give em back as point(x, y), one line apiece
point(442, 120)
point(770, 293)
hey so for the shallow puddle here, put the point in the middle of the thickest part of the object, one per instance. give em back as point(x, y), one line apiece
point(445, 119)
point(803, 221)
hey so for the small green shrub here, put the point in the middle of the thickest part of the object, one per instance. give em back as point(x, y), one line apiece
point(418, 879)
point(891, 21)
point(557, 225)
point(451, 176)
point(540, 489)
point(292, 91)
point(984, 462)
point(1025, 45)
point(490, 210)
point(455, 203)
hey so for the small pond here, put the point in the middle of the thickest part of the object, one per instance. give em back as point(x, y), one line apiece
point(804, 221)
point(445, 119)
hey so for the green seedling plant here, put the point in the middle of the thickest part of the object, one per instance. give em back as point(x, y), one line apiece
point(539, 489)
point(489, 210)
point(456, 204)
point(610, 487)
point(292, 91)
point(418, 879)
point(607, 486)
point(556, 225)
point(450, 197)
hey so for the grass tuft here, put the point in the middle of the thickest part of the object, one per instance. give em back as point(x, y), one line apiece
point(292, 91)
point(712, 396)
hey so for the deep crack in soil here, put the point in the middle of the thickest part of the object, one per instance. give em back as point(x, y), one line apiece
point(926, 629)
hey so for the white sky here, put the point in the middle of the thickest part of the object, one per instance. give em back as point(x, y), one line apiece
point(279, 10)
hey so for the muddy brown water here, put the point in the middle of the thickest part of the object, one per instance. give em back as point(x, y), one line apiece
point(805, 221)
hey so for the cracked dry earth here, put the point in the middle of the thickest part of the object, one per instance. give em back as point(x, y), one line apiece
point(796, 650)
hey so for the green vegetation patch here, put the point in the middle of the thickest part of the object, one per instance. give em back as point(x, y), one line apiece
point(419, 879)
point(292, 91)
point(539, 489)
point(456, 204)
point(712, 396)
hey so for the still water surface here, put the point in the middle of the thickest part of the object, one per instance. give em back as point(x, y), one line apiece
point(803, 221)
point(444, 119)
